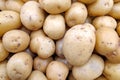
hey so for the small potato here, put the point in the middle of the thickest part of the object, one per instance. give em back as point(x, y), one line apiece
point(37, 75)
point(55, 6)
point(41, 64)
point(54, 26)
point(14, 5)
point(107, 40)
point(115, 11)
point(32, 16)
point(19, 66)
point(15, 40)
point(3, 53)
point(2, 4)
point(3, 71)
point(100, 7)
point(104, 21)
point(9, 20)
point(118, 28)
point(101, 78)
point(77, 14)
point(57, 71)
point(71, 77)
point(87, 1)
point(78, 44)
point(91, 70)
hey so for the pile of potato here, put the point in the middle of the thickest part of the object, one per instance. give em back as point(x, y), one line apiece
point(59, 40)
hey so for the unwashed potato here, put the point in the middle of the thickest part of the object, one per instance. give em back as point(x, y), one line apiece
point(107, 40)
point(71, 77)
point(9, 20)
point(14, 5)
point(77, 14)
point(91, 70)
point(118, 28)
point(3, 53)
point(19, 66)
point(87, 1)
point(37, 75)
point(100, 7)
point(111, 71)
point(15, 40)
point(101, 22)
point(54, 26)
point(41, 64)
point(3, 71)
point(101, 78)
point(32, 16)
point(2, 4)
point(75, 44)
point(57, 71)
point(115, 11)
point(55, 6)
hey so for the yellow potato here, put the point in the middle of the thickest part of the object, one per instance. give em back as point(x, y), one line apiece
point(87, 1)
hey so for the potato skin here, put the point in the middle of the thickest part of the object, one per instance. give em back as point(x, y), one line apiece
point(9, 20)
point(19, 66)
point(15, 40)
point(91, 70)
point(75, 53)
point(32, 16)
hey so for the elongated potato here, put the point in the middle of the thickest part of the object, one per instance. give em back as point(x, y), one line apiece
point(9, 20)
point(32, 16)
point(78, 44)
point(87, 1)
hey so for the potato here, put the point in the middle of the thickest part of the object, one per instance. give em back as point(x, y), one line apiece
point(78, 44)
point(57, 71)
point(2, 4)
point(101, 22)
point(116, 0)
point(115, 11)
point(87, 1)
point(107, 40)
point(54, 26)
point(41, 64)
point(111, 71)
point(3, 71)
point(71, 77)
point(100, 7)
point(118, 28)
point(55, 6)
point(59, 46)
point(9, 20)
point(15, 40)
point(3, 53)
point(91, 70)
point(77, 14)
point(37, 75)
point(101, 78)
point(19, 66)
point(32, 16)
point(14, 5)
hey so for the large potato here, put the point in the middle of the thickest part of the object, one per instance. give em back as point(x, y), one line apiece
point(57, 71)
point(15, 40)
point(77, 14)
point(107, 40)
point(32, 16)
point(54, 26)
point(91, 70)
point(100, 7)
point(55, 6)
point(87, 1)
point(9, 20)
point(78, 44)
point(19, 66)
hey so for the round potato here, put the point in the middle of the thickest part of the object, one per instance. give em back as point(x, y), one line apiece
point(54, 26)
point(9, 20)
point(101, 22)
point(55, 6)
point(2, 4)
point(118, 28)
point(91, 70)
point(77, 14)
point(115, 11)
point(101, 78)
point(19, 66)
point(78, 44)
point(71, 77)
point(100, 7)
point(107, 40)
point(41, 64)
point(87, 1)
point(37, 75)
point(15, 40)
point(58, 69)
point(3, 71)
point(32, 16)
point(3, 53)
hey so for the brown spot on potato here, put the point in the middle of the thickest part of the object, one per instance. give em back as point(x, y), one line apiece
point(18, 44)
point(91, 41)
point(106, 4)
point(58, 7)
point(30, 18)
